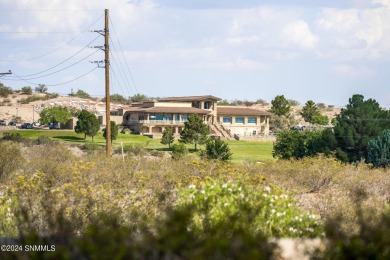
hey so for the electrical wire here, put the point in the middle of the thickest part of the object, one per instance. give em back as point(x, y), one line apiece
point(128, 67)
point(71, 65)
point(120, 72)
point(58, 84)
point(24, 76)
point(66, 43)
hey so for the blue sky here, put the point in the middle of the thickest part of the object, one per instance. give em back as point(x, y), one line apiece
point(320, 50)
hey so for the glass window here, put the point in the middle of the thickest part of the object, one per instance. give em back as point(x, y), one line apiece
point(227, 120)
point(159, 117)
point(168, 117)
point(177, 117)
point(251, 120)
point(206, 105)
point(239, 120)
point(184, 118)
point(152, 117)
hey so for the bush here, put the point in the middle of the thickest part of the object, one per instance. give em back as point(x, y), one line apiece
point(260, 211)
point(11, 158)
point(378, 150)
point(91, 147)
point(26, 90)
point(135, 149)
point(5, 91)
point(125, 130)
point(179, 150)
point(218, 149)
point(45, 140)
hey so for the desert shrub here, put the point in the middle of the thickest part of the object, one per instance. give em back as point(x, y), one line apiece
point(134, 148)
point(45, 140)
point(157, 153)
point(11, 158)
point(5, 91)
point(179, 150)
point(91, 147)
point(265, 210)
point(16, 137)
point(7, 100)
point(26, 90)
point(371, 242)
point(125, 130)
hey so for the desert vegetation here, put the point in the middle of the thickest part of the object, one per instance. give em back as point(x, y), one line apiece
point(187, 207)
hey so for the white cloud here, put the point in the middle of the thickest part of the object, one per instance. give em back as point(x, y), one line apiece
point(298, 34)
point(347, 70)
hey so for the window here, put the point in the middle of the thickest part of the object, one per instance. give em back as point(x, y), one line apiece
point(227, 120)
point(251, 120)
point(239, 120)
point(168, 117)
point(184, 118)
point(152, 117)
point(159, 117)
point(177, 117)
point(206, 105)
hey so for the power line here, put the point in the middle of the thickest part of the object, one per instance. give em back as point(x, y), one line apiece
point(71, 65)
point(58, 84)
point(23, 76)
point(120, 71)
point(128, 67)
point(45, 54)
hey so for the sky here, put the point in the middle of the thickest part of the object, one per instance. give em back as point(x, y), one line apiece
point(324, 50)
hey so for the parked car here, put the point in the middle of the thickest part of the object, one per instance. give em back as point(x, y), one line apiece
point(12, 123)
point(55, 126)
point(27, 126)
point(3, 123)
point(36, 123)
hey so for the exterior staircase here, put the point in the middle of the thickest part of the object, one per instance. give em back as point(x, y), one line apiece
point(219, 130)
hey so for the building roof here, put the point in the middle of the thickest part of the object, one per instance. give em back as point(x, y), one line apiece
point(240, 111)
point(190, 98)
point(176, 110)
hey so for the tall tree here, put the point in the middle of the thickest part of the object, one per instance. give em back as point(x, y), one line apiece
point(280, 106)
point(87, 123)
point(54, 115)
point(309, 111)
point(195, 131)
point(359, 122)
point(41, 88)
point(378, 150)
point(114, 131)
point(168, 137)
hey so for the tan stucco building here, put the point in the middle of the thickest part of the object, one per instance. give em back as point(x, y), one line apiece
point(152, 117)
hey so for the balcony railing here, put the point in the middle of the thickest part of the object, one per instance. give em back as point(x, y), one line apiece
point(164, 122)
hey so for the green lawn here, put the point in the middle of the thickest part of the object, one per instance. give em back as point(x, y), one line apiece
point(242, 150)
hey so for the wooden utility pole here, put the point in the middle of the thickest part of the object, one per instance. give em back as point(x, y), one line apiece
point(107, 70)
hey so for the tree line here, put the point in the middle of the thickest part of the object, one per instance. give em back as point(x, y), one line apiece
point(360, 133)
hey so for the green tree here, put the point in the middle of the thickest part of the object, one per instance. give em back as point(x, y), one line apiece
point(358, 123)
point(41, 88)
point(218, 149)
point(54, 115)
point(320, 120)
point(309, 110)
point(280, 106)
point(298, 144)
point(114, 131)
point(378, 150)
point(195, 131)
point(5, 91)
point(116, 98)
point(87, 123)
point(82, 94)
point(27, 90)
point(138, 98)
point(168, 137)
point(278, 123)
